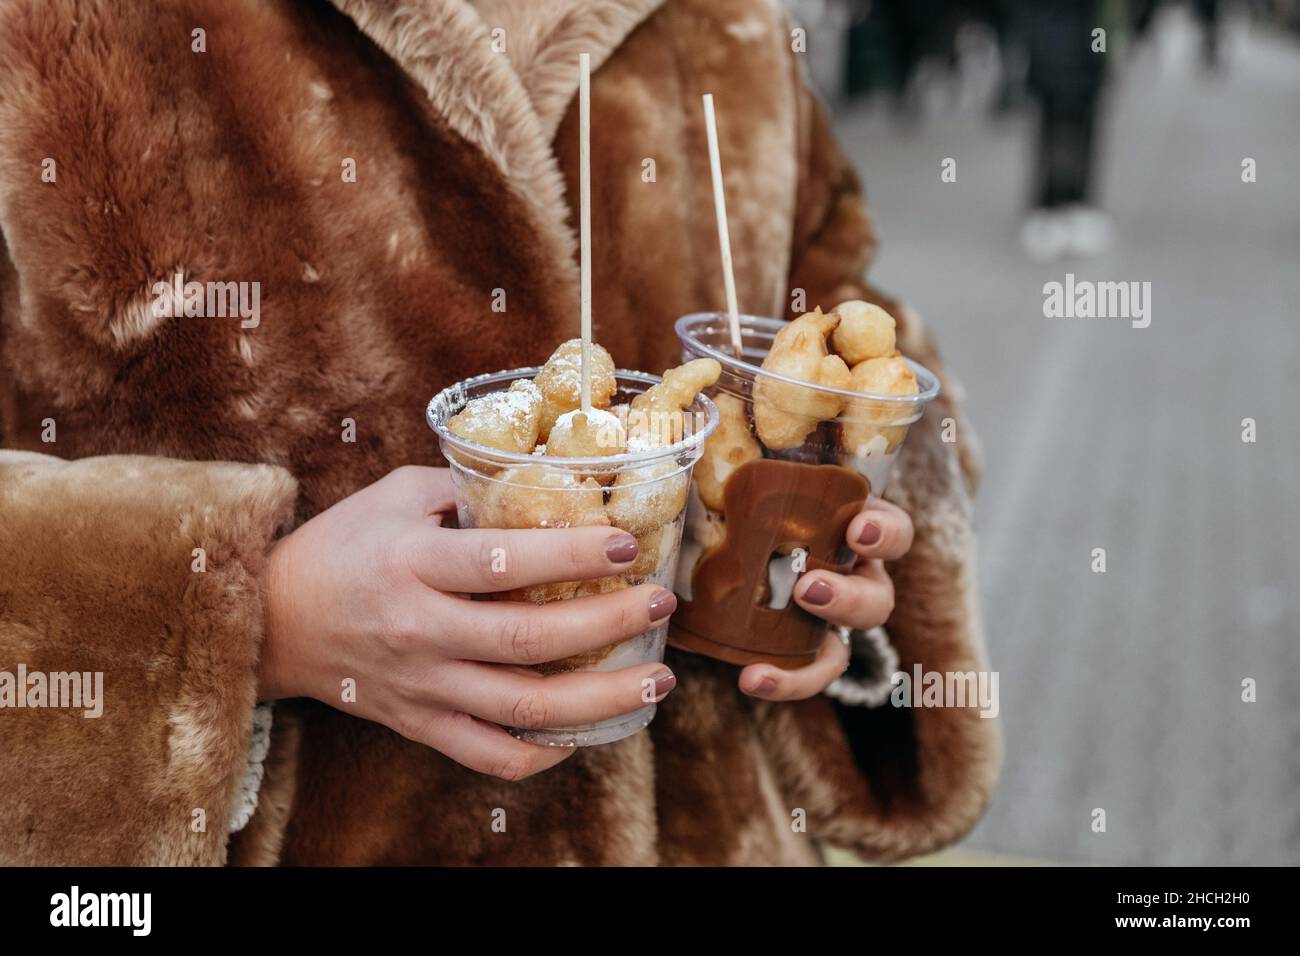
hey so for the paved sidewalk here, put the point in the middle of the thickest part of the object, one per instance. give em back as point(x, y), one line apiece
point(1122, 690)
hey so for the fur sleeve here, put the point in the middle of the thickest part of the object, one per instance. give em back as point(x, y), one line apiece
point(891, 782)
point(130, 621)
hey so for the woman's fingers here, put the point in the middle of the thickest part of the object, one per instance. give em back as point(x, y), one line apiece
point(515, 633)
point(882, 530)
point(861, 600)
point(478, 745)
point(428, 490)
point(518, 698)
point(483, 560)
point(772, 683)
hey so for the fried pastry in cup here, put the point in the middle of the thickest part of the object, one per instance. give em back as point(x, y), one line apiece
point(655, 418)
point(508, 420)
point(648, 497)
point(822, 453)
point(560, 383)
point(655, 549)
point(729, 447)
point(864, 419)
point(539, 487)
point(865, 331)
point(542, 593)
point(565, 590)
point(535, 496)
point(784, 412)
point(607, 585)
point(591, 434)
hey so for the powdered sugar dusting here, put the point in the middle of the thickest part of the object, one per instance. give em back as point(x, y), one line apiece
point(490, 418)
point(650, 485)
point(566, 372)
point(597, 418)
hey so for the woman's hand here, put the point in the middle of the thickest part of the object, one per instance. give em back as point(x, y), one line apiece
point(375, 591)
point(859, 600)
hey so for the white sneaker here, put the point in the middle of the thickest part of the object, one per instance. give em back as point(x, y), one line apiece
point(1045, 235)
point(1090, 231)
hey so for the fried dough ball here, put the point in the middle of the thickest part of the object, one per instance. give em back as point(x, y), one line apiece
point(534, 496)
point(654, 550)
point(542, 593)
point(729, 447)
point(710, 530)
point(644, 498)
point(587, 659)
point(785, 413)
point(865, 331)
point(882, 376)
point(705, 529)
point(593, 434)
point(656, 416)
point(577, 662)
point(565, 590)
point(507, 421)
point(560, 382)
point(606, 585)
point(890, 375)
point(679, 387)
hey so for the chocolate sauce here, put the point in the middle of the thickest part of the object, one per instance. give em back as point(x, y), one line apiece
point(771, 507)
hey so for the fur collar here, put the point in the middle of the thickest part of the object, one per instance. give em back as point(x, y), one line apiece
point(506, 106)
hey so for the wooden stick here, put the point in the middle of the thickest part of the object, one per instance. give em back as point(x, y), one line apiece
point(720, 211)
point(584, 206)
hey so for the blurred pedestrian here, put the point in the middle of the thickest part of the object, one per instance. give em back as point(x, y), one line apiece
point(1207, 12)
point(1066, 72)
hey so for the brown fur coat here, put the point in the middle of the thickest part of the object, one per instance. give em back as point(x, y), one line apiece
point(225, 165)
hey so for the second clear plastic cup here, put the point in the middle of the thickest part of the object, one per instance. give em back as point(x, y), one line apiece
point(760, 516)
point(643, 492)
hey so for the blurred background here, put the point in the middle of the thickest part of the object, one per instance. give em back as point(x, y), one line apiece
point(1119, 690)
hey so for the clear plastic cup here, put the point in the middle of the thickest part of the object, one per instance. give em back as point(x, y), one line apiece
point(757, 518)
point(643, 492)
